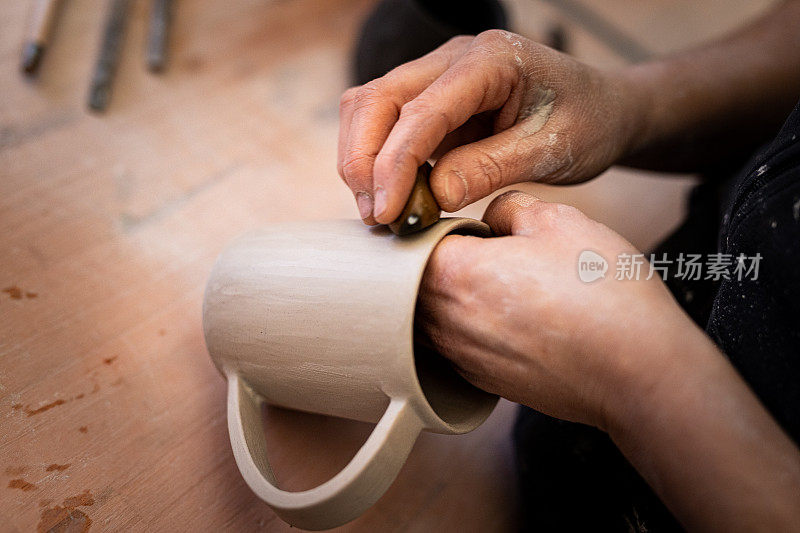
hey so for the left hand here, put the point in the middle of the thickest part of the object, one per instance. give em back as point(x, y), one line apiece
point(493, 109)
point(513, 316)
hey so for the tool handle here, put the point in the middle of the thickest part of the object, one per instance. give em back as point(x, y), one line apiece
point(421, 209)
point(100, 89)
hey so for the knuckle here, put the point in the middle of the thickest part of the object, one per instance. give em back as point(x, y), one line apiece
point(547, 215)
point(451, 259)
point(503, 47)
point(493, 39)
point(423, 115)
point(490, 169)
point(356, 168)
point(348, 96)
point(459, 41)
point(568, 212)
point(368, 93)
point(393, 161)
point(415, 108)
point(543, 213)
point(491, 36)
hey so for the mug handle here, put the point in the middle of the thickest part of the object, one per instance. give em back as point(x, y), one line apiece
point(340, 499)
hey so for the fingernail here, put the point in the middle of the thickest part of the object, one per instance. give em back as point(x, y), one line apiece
point(380, 201)
point(364, 202)
point(455, 189)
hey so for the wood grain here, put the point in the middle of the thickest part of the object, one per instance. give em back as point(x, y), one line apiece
point(109, 226)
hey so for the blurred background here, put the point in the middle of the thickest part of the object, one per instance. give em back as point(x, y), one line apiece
point(112, 415)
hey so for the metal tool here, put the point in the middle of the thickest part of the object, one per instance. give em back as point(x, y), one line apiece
point(158, 36)
point(44, 15)
point(100, 90)
point(421, 210)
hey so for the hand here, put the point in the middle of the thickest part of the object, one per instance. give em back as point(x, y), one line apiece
point(497, 108)
point(514, 317)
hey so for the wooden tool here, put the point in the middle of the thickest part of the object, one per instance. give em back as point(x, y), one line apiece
point(100, 90)
point(421, 210)
point(44, 15)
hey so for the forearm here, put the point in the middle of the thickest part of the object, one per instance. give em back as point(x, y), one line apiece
point(695, 110)
point(706, 445)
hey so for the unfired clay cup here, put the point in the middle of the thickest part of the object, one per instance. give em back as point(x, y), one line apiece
point(319, 317)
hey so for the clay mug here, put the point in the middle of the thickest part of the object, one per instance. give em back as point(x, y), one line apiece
point(319, 317)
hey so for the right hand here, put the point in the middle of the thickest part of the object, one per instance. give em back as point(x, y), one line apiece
point(496, 109)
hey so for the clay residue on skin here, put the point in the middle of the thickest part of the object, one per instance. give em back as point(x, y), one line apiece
point(67, 516)
point(533, 117)
point(513, 38)
point(556, 157)
point(516, 42)
point(21, 484)
point(16, 470)
point(53, 467)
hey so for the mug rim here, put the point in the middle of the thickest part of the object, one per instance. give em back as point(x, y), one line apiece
point(433, 419)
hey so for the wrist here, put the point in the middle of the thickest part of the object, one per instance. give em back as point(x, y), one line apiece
point(661, 365)
point(704, 443)
point(654, 349)
point(641, 114)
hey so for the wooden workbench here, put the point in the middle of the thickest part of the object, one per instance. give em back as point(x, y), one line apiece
point(112, 416)
point(111, 413)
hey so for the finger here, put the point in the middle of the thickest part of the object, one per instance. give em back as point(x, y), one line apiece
point(477, 127)
point(477, 82)
point(375, 109)
point(445, 264)
point(345, 117)
point(363, 199)
point(513, 213)
point(521, 153)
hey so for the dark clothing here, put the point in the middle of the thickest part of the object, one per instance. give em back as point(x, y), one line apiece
point(757, 323)
point(398, 31)
point(572, 477)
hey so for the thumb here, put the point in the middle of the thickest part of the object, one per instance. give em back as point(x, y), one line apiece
point(473, 171)
point(513, 213)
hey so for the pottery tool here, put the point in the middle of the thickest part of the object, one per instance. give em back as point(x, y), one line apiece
point(44, 15)
point(160, 16)
point(421, 210)
point(100, 90)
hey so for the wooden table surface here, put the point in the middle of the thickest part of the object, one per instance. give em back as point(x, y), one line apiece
point(112, 416)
